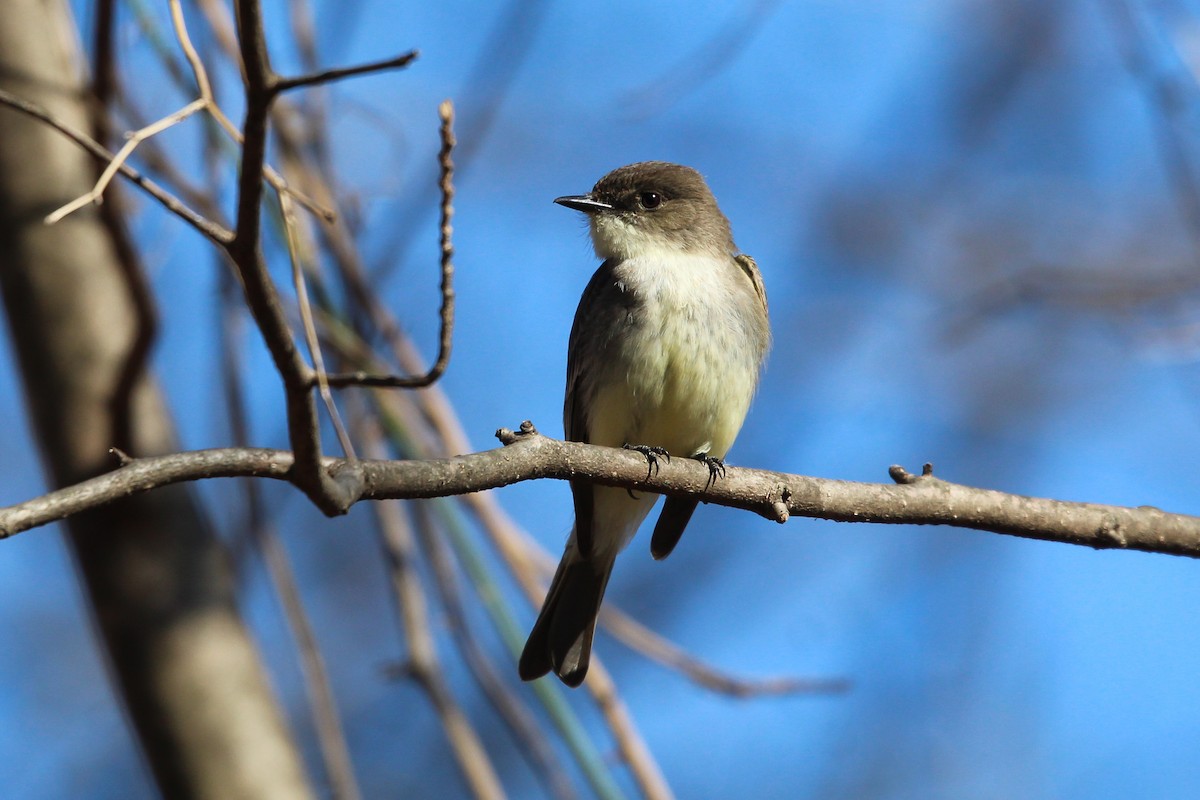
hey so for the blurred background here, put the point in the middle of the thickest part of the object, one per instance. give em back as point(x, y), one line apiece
point(979, 227)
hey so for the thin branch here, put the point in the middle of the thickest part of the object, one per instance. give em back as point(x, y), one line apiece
point(446, 312)
point(913, 500)
point(96, 195)
point(310, 329)
point(520, 722)
point(656, 648)
point(1168, 101)
point(327, 722)
point(205, 102)
point(206, 94)
point(405, 414)
point(330, 75)
point(630, 744)
point(422, 665)
point(209, 229)
point(159, 162)
point(330, 734)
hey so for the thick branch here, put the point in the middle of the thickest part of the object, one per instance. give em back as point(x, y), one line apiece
point(916, 499)
point(331, 496)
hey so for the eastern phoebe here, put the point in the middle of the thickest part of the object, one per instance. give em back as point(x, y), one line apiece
point(665, 354)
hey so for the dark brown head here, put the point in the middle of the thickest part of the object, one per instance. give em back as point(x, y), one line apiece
point(653, 206)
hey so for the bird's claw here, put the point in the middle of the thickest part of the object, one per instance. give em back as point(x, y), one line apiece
point(716, 468)
point(651, 453)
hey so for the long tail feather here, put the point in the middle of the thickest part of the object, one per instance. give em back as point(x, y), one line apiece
point(561, 639)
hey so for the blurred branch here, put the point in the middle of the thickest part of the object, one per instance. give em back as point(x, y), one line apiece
point(700, 65)
point(630, 744)
point(1168, 101)
point(650, 644)
point(423, 665)
point(914, 500)
point(331, 738)
point(516, 716)
point(510, 41)
point(211, 230)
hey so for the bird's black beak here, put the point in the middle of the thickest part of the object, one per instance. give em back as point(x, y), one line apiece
point(582, 202)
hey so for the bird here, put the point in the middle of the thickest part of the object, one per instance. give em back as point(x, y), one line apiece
point(664, 357)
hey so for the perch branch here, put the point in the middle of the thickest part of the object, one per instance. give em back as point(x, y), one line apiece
point(913, 499)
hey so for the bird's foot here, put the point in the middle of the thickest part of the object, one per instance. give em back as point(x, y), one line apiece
point(716, 468)
point(651, 453)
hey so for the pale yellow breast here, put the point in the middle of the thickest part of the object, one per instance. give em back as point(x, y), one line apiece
point(685, 375)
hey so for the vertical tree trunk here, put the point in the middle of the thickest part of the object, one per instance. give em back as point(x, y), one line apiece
point(158, 579)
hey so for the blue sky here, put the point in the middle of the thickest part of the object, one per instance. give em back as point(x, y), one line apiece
point(965, 218)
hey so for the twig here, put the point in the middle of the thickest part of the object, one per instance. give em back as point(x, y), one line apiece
point(206, 94)
point(205, 102)
point(326, 76)
point(446, 312)
point(114, 165)
point(211, 230)
point(650, 644)
point(510, 709)
point(326, 721)
point(422, 664)
point(333, 495)
point(310, 329)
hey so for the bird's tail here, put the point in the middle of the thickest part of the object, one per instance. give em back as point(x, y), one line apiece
point(561, 639)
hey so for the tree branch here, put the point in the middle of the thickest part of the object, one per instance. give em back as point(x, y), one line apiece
point(211, 230)
point(914, 499)
point(446, 247)
point(330, 75)
point(332, 496)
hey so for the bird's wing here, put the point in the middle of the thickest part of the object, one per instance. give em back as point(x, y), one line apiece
point(589, 336)
point(749, 267)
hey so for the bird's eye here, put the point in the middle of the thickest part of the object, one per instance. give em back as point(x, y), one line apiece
point(650, 200)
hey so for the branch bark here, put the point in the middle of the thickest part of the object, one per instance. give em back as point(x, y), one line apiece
point(913, 499)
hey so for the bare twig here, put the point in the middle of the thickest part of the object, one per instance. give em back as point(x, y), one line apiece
point(211, 230)
point(158, 161)
point(330, 75)
point(422, 665)
point(205, 102)
point(206, 94)
point(326, 719)
point(332, 495)
point(514, 714)
point(310, 329)
point(114, 165)
point(446, 313)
